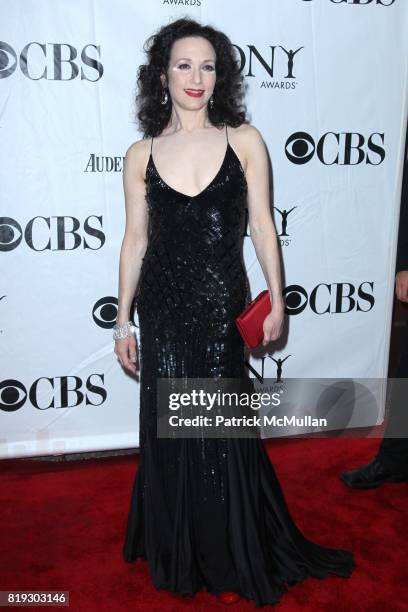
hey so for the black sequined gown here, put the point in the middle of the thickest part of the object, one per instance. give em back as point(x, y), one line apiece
point(206, 512)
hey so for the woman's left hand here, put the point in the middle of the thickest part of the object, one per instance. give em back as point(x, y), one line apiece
point(273, 325)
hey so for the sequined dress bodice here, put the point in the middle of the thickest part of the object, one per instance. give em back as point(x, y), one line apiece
point(193, 267)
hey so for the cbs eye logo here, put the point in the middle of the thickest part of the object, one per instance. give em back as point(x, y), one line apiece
point(343, 148)
point(364, 2)
point(105, 312)
point(11, 234)
point(360, 2)
point(296, 299)
point(8, 60)
point(13, 395)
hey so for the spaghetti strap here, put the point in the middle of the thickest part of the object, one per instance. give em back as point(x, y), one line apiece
point(226, 133)
point(151, 146)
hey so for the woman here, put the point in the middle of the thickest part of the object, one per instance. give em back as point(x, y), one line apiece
point(204, 512)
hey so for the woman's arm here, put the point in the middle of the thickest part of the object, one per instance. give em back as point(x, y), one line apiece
point(135, 239)
point(262, 228)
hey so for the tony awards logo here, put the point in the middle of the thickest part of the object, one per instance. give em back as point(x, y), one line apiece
point(283, 235)
point(274, 63)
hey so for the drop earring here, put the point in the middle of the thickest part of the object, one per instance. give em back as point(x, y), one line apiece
point(165, 96)
point(211, 102)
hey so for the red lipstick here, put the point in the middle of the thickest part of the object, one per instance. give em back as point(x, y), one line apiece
point(194, 93)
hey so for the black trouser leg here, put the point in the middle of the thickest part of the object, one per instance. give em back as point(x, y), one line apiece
point(393, 451)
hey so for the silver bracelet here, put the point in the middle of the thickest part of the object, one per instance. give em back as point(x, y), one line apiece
point(123, 330)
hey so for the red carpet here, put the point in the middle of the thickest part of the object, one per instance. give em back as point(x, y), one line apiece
point(63, 524)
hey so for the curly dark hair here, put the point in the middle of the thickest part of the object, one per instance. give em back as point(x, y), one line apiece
point(228, 109)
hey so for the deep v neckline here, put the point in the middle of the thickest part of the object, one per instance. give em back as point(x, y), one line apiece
point(185, 195)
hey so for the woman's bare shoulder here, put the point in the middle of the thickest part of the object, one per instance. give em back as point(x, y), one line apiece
point(247, 133)
point(248, 141)
point(137, 155)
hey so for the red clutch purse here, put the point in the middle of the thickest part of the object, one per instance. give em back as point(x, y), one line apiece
point(250, 321)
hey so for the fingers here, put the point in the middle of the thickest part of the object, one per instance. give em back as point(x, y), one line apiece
point(270, 337)
point(402, 292)
point(126, 363)
point(271, 334)
point(127, 355)
point(133, 355)
point(401, 286)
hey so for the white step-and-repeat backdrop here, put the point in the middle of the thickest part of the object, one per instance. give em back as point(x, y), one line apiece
point(327, 88)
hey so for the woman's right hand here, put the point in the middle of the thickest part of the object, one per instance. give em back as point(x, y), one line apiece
point(128, 353)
